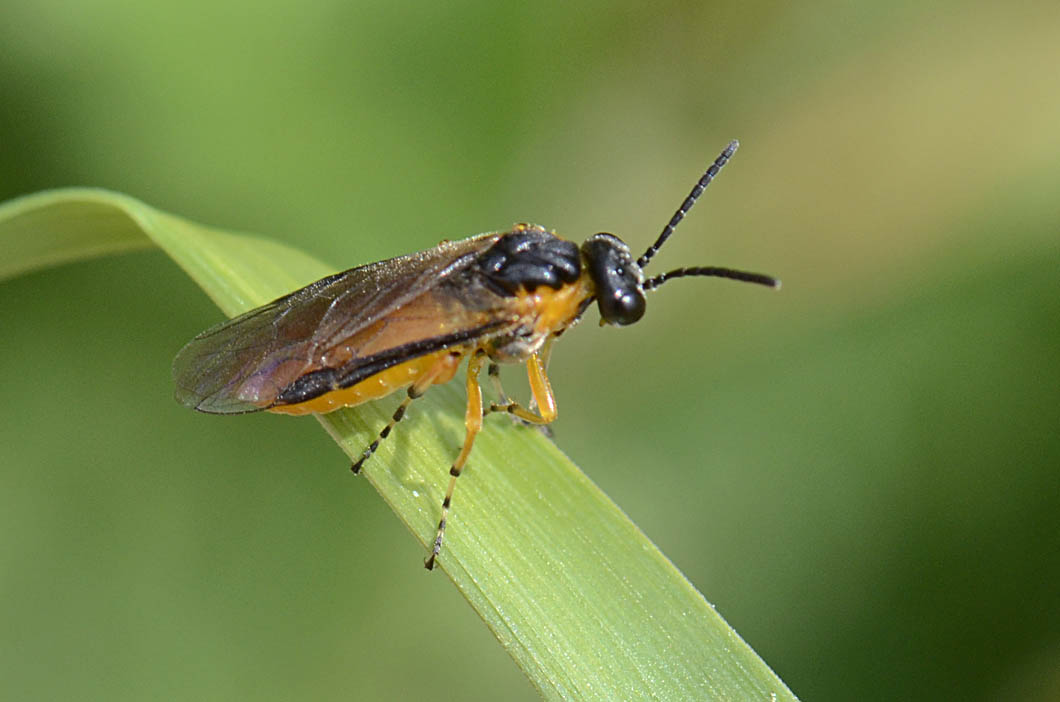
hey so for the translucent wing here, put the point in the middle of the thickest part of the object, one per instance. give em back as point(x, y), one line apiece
point(345, 327)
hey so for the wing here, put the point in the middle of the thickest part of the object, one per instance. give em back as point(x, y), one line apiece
point(342, 328)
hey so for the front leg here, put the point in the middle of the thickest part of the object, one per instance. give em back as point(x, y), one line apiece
point(540, 390)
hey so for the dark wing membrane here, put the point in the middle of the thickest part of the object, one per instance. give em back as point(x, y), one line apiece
point(433, 321)
point(242, 365)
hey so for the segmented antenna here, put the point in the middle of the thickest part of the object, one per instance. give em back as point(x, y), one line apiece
point(758, 278)
point(718, 164)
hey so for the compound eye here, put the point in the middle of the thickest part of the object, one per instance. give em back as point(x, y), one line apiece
point(624, 306)
point(617, 278)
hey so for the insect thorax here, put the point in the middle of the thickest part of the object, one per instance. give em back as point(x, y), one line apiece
point(527, 257)
point(539, 278)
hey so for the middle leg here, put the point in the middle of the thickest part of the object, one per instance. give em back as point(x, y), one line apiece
point(473, 423)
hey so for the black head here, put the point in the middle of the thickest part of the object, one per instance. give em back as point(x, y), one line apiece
point(619, 280)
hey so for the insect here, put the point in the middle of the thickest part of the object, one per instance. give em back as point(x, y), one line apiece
point(409, 322)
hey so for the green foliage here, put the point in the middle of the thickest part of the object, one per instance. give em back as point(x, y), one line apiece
point(859, 471)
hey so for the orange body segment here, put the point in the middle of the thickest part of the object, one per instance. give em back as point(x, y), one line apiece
point(554, 310)
point(379, 385)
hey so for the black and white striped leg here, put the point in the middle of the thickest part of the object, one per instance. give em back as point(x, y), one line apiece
point(415, 392)
point(399, 414)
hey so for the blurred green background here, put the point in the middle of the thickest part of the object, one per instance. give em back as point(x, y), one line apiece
point(860, 472)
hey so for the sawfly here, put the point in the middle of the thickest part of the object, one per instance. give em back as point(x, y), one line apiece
point(407, 323)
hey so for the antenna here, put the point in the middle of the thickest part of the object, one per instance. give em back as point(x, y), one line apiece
point(744, 276)
point(718, 164)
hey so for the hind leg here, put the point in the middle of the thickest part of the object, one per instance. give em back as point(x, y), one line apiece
point(415, 392)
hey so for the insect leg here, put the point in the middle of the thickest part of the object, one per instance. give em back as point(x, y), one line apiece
point(494, 372)
point(541, 390)
point(473, 422)
point(415, 391)
point(545, 354)
point(504, 401)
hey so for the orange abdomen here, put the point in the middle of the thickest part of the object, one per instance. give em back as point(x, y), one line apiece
point(379, 385)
